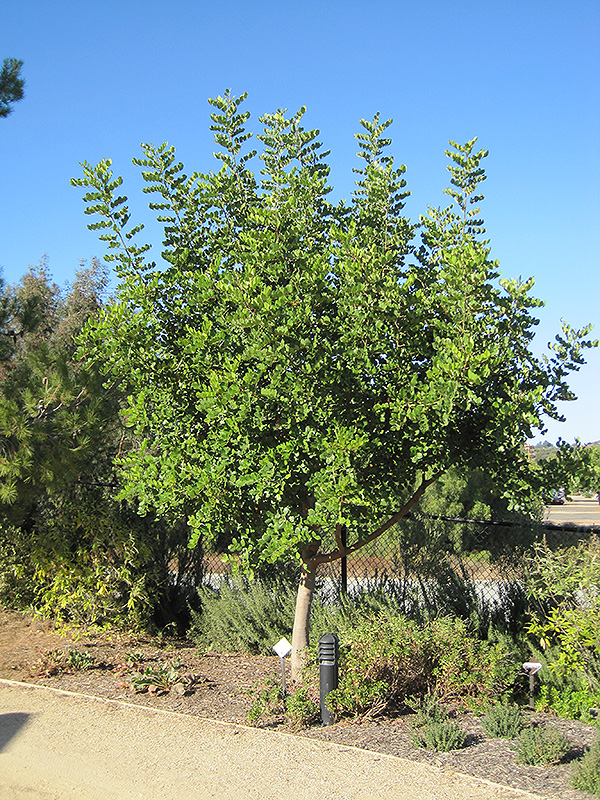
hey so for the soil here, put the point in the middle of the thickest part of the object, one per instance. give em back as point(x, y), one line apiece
point(175, 676)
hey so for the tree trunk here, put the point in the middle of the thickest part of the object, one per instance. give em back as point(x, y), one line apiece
point(311, 560)
point(302, 622)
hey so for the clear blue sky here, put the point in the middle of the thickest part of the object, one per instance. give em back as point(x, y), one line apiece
point(524, 77)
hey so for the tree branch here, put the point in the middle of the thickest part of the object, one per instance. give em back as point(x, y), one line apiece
point(334, 555)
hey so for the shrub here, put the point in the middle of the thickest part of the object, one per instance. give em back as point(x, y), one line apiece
point(433, 730)
point(469, 671)
point(539, 745)
point(268, 701)
point(573, 702)
point(243, 616)
point(160, 678)
point(503, 721)
point(441, 736)
point(566, 607)
point(586, 775)
point(79, 660)
point(298, 708)
point(250, 616)
point(389, 659)
point(430, 710)
point(90, 561)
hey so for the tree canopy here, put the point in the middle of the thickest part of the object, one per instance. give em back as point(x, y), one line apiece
point(11, 85)
point(53, 411)
point(298, 368)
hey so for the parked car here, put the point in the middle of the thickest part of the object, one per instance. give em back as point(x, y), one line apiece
point(558, 498)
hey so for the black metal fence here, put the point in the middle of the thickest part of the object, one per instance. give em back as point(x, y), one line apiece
point(445, 566)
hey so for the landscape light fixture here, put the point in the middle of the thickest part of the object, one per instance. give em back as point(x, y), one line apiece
point(328, 672)
point(283, 648)
point(531, 667)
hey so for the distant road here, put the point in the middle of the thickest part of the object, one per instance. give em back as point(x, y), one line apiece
point(579, 511)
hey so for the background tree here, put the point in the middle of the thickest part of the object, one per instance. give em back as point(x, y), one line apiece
point(574, 468)
point(11, 85)
point(294, 370)
point(67, 547)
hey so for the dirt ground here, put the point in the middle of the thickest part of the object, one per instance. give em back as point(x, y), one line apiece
point(172, 675)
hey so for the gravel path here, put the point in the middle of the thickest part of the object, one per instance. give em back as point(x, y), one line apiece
point(56, 745)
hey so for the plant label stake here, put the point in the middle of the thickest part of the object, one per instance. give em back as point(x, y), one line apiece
point(531, 667)
point(283, 648)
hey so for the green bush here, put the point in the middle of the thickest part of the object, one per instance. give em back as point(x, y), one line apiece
point(88, 560)
point(250, 616)
point(441, 736)
point(301, 709)
point(573, 702)
point(586, 775)
point(160, 677)
point(268, 701)
point(387, 660)
point(433, 730)
point(80, 660)
point(243, 616)
point(430, 710)
point(298, 708)
point(503, 721)
point(565, 607)
point(539, 745)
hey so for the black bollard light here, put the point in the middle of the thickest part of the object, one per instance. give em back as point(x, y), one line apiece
point(328, 672)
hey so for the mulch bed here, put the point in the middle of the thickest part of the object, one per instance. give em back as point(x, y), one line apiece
point(223, 686)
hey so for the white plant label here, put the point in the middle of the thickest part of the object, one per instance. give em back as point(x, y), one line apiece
point(532, 667)
point(282, 648)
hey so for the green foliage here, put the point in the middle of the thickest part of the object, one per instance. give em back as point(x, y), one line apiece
point(586, 774)
point(301, 709)
point(387, 660)
point(565, 608)
point(465, 496)
point(268, 701)
point(11, 85)
point(573, 702)
point(80, 660)
point(429, 710)
point(541, 451)
point(440, 736)
point(249, 616)
point(433, 729)
point(59, 661)
point(298, 707)
point(90, 561)
point(55, 418)
point(134, 659)
point(243, 616)
point(503, 721)
point(160, 678)
point(575, 467)
point(307, 372)
point(67, 548)
point(541, 746)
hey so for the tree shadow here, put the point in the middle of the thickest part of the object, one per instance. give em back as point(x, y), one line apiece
point(10, 725)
